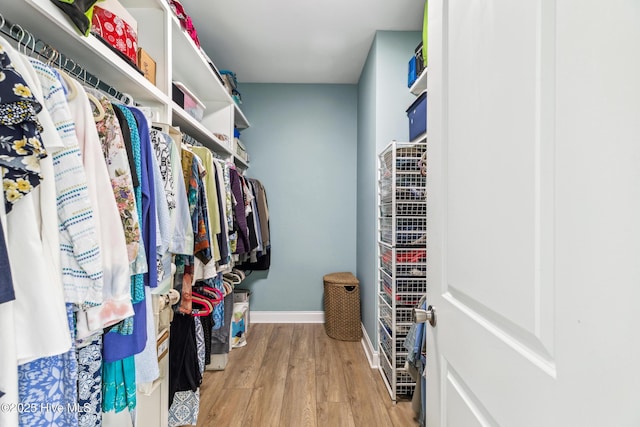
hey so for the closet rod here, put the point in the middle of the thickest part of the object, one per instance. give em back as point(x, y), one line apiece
point(35, 46)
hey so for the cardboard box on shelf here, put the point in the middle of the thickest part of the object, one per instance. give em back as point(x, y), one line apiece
point(147, 65)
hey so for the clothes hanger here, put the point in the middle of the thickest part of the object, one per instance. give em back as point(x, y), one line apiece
point(215, 296)
point(239, 273)
point(98, 108)
point(203, 302)
point(228, 288)
point(72, 92)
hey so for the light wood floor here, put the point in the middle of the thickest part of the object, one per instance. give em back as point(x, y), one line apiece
point(294, 375)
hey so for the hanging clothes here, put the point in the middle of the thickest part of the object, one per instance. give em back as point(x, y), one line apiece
point(6, 282)
point(183, 237)
point(132, 145)
point(165, 206)
point(184, 370)
point(119, 385)
point(224, 198)
point(147, 368)
point(149, 198)
point(185, 406)
point(260, 258)
point(263, 211)
point(180, 230)
point(50, 384)
point(192, 173)
point(90, 382)
point(116, 304)
point(80, 254)
point(115, 156)
point(204, 271)
point(32, 225)
point(240, 218)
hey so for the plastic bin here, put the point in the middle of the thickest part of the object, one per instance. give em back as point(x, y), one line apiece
point(417, 115)
point(342, 307)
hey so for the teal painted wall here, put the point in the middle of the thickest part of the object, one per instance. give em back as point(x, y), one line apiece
point(302, 142)
point(383, 98)
point(366, 190)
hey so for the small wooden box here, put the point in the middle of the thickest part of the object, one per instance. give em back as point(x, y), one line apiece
point(147, 65)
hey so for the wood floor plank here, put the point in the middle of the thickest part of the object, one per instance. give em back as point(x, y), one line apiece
point(294, 375)
point(266, 401)
point(303, 341)
point(331, 385)
point(335, 414)
point(227, 410)
point(365, 403)
point(299, 404)
point(210, 389)
point(245, 362)
point(402, 415)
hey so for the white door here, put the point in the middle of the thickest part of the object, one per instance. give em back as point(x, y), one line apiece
point(534, 213)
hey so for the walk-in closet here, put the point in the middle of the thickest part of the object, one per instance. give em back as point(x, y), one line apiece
point(180, 212)
point(371, 213)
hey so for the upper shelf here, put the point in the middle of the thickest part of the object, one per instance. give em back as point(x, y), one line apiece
point(239, 161)
point(45, 21)
point(239, 118)
point(191, 68)
point(195, 129)
point(420, 85)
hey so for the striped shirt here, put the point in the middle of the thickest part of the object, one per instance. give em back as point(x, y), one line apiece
point(82, 273)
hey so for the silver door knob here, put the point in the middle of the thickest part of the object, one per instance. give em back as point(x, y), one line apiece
point(421, 316)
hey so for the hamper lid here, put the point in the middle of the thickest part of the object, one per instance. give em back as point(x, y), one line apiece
point(343, 278)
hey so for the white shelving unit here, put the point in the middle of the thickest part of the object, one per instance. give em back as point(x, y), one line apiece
point(243, 164)
point(177, 59)
point(419, 85)
point(176, 55)
point(402, 272)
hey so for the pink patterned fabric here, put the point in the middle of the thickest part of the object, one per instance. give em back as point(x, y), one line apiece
point(185, 21)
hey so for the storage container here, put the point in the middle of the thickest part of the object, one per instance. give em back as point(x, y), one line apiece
point(116, 26)
point(413, 72)
point(147, 65)
point(420, 63)
point(342, 306)
point(417, 115)
point(188, 101)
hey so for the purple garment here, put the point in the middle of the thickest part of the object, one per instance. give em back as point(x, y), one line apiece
point(222, 237)
point(240, 219)
point(148, 199)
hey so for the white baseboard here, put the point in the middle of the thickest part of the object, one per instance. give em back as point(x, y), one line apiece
point(287, 316)
point(372, 355)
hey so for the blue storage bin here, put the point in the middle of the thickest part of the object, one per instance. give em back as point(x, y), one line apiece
point(417, 114)
point(413, 72)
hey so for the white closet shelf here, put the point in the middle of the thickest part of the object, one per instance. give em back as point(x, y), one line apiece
point(419, 85)
point(144, 4)
point(192, 127)
point(240, 161)
point(44, 20)
point(240, 119)
point(191, 68)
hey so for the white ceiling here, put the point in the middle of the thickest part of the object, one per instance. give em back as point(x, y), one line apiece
point(297, 41)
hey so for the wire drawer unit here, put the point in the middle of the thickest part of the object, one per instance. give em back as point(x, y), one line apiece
point(402, 254)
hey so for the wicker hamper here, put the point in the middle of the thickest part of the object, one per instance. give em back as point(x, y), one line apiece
point(342, 306)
